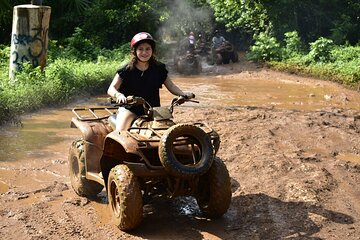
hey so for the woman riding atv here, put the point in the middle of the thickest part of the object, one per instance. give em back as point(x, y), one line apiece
point(143, 76)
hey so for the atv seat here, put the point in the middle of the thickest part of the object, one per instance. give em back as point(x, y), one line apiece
point(112, 121)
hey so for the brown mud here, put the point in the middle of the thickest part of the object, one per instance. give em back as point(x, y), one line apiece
point(290, 143)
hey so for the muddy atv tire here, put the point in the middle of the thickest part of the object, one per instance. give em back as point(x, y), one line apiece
point(125, 198)
point(214, 196)
point(180, 66)
point(226, 59)
point(234, 57)
point(77, 171)
point(219, 59)
point(198, 68)
point(210, 60)
point(201, 158)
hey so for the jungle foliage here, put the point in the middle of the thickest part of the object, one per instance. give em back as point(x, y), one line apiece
point(90, 40)
point(65, 77)
point(335, 19)
point(321, 58)
point(111, 23)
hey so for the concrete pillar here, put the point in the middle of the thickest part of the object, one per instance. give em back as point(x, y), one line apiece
point(29, 38)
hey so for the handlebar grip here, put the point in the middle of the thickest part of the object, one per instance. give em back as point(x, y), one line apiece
point(187, 97)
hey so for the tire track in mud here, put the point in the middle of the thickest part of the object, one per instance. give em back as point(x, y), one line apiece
point(40, 220)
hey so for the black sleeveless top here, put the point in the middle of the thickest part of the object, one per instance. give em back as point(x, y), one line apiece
point(145, 84)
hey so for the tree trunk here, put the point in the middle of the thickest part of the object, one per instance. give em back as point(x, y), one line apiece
point(29, 38)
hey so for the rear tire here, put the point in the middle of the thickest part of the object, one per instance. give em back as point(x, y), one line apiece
point(226, 59)
point(202, 156)
point(234, 57)
point(77, 171)
point(198, 68)
point(214, 195)
point(125, 198)
point(219, 59)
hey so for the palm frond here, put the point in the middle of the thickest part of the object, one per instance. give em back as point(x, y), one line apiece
point(79, 5)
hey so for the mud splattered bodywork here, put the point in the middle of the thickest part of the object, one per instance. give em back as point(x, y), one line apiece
point(162, 157)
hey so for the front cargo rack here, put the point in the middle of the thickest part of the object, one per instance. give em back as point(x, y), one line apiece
point(157, 132)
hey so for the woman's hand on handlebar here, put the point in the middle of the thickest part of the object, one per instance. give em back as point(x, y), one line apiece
point(120, 98)
point(188, 95)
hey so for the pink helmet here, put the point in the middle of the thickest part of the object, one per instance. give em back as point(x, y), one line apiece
point(142, 36)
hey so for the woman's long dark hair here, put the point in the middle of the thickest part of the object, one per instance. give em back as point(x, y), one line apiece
point(134, 59)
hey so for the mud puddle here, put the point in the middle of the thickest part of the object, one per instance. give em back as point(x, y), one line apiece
point(287, 93)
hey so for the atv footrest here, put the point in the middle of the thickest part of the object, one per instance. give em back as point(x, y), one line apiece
point(141, 170)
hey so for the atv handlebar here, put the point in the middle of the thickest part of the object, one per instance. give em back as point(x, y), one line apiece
point(130, 101)
point(133, 101)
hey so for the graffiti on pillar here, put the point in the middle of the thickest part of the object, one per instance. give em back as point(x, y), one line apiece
point(29, 48)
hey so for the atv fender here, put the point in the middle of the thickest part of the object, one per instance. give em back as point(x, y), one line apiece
point(118, 147)
point(93, 134)
point(118, 143)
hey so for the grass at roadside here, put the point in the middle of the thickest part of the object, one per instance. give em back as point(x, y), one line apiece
point(344, 68)
point(347, 74)
point(62, 80)
point(321, 58)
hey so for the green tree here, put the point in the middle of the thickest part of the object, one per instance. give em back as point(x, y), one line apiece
point(110, 23)
point(311, 19)
point(265, 48)
point(320, 50)
point(293, 45)
point(65, 15)
point(186, 16)
point(246, 14)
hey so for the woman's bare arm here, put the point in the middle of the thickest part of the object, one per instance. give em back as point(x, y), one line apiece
point(113, 89)
point(170, 85)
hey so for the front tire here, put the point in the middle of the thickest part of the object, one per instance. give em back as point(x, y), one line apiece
point(125, 198)
point(214, 195)
point(77, 171)
point(198, 66)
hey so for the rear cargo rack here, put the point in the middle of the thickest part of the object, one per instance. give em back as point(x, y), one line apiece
point(94, 113)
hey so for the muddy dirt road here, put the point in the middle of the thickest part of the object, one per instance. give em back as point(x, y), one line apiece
point(291, 144)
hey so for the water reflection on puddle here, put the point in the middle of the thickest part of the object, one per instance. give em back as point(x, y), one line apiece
point(186, 206)
point(3, 187)
point(37, 132)
point(234, 90)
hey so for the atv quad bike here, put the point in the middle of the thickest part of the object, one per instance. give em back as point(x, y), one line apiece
point(154, 158)
point(223, 54)
point(189, 63)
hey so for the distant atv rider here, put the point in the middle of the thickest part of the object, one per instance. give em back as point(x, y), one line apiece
point(217, 40)
point(187, 44)
point(143, 77)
